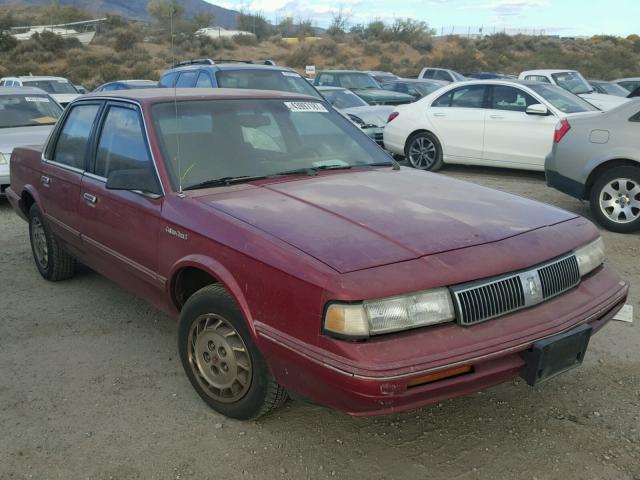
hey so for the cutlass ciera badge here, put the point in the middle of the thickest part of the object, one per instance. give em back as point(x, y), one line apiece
point(176, 233)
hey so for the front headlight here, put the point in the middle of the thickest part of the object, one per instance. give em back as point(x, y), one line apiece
point(4, 158)
point(590, 257)
point(374, 317)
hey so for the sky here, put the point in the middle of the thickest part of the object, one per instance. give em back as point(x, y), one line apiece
point(553, 17)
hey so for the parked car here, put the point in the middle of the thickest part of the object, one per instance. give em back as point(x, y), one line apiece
point(382, 77)
point(370, 118)
point(27, 115)
point(635, 93)
point(597, 158)
point(414, 87)
point(363, 85)
point(498, 123)
point(575, 83)
point(81, 90)
point(442, 74)
point(246, 74)
point(299, 257)
point(609, 88)
point(60, 89)
point(629, 84)
point(486, 76)
point(126, 85)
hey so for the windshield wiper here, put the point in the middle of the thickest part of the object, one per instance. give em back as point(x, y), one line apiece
point(224, 181)
point(311, 171)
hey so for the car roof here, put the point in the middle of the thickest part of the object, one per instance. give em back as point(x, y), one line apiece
point(21, 91)
point(627, 79)
point(419, 80)
point(547, 71)
point(344, 71)
point(155, 95)
point(229, 66)
point(39, 77)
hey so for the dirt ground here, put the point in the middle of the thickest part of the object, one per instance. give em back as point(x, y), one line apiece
point(91, 387)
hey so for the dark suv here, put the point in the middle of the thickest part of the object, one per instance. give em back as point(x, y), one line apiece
point(255, 75)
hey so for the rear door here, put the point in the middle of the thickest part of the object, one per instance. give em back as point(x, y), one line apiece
point(458, 118)
point(512, 138)
point(62, 170)
point(120, 228)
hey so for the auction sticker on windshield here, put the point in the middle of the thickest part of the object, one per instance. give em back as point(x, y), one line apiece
point(37, 99)
point(306, 107)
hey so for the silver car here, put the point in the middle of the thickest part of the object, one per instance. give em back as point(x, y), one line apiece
point(27, 116)
point(370, 118)
point(596, 157)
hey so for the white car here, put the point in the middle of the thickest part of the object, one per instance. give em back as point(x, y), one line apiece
point(497, 123)
point(574, 82)
point(27, 116)
point(60, 89)
point(630, 84)
point(442, 74)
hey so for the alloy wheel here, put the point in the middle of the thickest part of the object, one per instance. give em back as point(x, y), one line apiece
point(422, 153)
point(219, 358)
point(620, 200)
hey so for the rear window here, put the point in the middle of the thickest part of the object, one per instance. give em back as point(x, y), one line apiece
point(27, 110)
point(51, 86)
point(278, 80)
point(343, 99)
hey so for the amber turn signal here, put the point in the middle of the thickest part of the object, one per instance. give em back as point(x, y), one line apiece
point(433, 377)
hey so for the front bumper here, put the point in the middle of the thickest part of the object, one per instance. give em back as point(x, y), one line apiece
point(362, 390)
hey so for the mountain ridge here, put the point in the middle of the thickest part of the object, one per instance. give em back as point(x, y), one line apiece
point(136, 10)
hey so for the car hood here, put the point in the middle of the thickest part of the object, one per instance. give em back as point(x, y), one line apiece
point(373, 115)
point(11, 138)
point(361, 219)
point(602, 101)
point(381, 95)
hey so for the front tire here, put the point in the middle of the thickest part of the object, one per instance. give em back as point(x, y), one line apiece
point(221, 360)
point(423, 151)
point(615, 199)
point(53, 262)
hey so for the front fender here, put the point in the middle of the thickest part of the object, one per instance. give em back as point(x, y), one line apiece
point(220, 273)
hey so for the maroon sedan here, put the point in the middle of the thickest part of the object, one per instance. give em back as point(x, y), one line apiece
point(300, 258)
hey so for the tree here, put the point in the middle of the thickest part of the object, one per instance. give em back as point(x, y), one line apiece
point(254, 23)
point(165, 10)
point(286, 27)
point(305, 29)
point(7, 42)
point(338, 26)
point(203, 20)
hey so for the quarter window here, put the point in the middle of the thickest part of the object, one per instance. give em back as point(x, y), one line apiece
point(122, 145)
point(204, 81)
point(429, 73)
point(71, 147)
point(511, 99)
point(463, 97)
point(186, 79)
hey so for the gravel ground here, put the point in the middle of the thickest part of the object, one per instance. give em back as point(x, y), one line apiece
point(91, 387)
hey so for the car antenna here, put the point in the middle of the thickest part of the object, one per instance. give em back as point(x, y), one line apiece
point(175, 107)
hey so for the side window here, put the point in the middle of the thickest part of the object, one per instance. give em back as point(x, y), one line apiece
point(635, 118)
point(511, 99)
point(327, 80)
point(443, 101)
point(402, 88)
point(429, 73)
point(186, 79)
point(468, 97)
point(389, 86)
point(204, 81)
point(71, 147)
point(538, 78)
point(168, 80)
point(122, 145)
point(413, 91)
point(109, 88)
point(442, 75)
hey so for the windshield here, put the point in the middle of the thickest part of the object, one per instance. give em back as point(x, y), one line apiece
point(357, 80)
point(222, 139)
point(343, 99)
point(27, 111)
point(613, 89)
point(51, 86)
point(561, 99)
point(279, 80)
point(573, 82)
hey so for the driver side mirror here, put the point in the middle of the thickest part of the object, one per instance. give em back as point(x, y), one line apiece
point(537, 109)
point(140, 179)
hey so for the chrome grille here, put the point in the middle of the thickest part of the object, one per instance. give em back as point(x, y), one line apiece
point(559, 276)
point(483, 300)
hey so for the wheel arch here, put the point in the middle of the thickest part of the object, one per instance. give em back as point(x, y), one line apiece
point(28, 197)
point(420, 130)
point(602, 167)
point(194, 272)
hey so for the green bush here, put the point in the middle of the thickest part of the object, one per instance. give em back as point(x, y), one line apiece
point(125, 39)
point(244, 39)
point(301, 57)
point(7, 42)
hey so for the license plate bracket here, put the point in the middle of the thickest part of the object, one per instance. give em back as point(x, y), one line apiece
point(555, 355)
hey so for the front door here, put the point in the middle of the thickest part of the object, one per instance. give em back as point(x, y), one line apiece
point(120, 228)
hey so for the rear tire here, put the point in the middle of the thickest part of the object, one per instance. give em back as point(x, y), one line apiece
point(221, 360)
point(423, 151)
point(53, 262)
point(615, 199)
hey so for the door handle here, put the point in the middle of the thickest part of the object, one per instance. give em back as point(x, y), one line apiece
point(45, 180)
point(439, 114)
point(497, 117)
point(92, 199)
